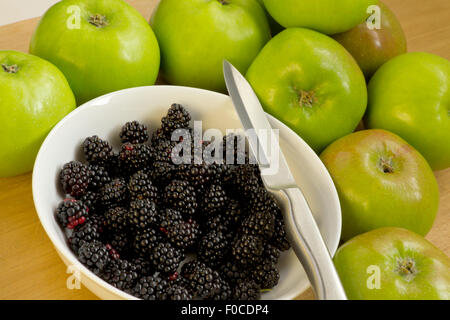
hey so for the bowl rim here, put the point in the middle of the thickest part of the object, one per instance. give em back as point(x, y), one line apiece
point(84, 271)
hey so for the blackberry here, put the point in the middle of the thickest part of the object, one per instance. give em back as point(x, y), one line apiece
point(143, 266)
point(120, 243)
point(180, 195)
point(233, 272)
point(162, 172)
point(157, 136)
point(242, 182)
point(198, 175)
point(246, 290)
point(162, 150)
point(134, 132)
point(141, 187)
point(280, 239)
point(259, 223)
point(116, 220)
point(92, 202)
point(121, 274)
point(271, 254)
point(179, 292)
point(169, 218)
point(85, 233)
point(99, 177)
point(212, 248)
point(166, 258)
point(71, 213)
point(214, 200)
point(75, 178)
point(94, 255)
point(262, 200)
point(98, 151)
point(202, 281)
point(266, 275)
point(114, 193)
point(142, 214)
point(145, 241)
point(218, 223)
point(220, 172)
point(233, 212)
point(224, 291)
point(151, 288)
point(235, 150)
point(177, 117)
point(134, 157)
point(184, 235)
point(247, 249)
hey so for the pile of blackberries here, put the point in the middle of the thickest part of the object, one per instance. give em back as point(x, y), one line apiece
point(159, 230)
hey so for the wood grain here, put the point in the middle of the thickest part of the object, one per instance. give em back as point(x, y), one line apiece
point(30, 267)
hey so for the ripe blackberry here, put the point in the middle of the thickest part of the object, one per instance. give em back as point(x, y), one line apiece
point(280, 239)
point(143, 266)
point(169, 218)
point(71, 213)
point(233, 212)
point(213, 247)
point(224, 291)
point(233, 272)
point(94, 255)
point(262, 200)
point(162, 172)
point(75, 178)
point(114, 193)
point(142, 214)
point(184, 235)
point(214, 200)
point(82, 234)
point(151, 288)
point(247, 249)
point(178, 291)
point(266, 275)
point(157, 136)
point(218, 223)
point(201, 280)
point(259, 223)
point(220, 172)
point(92, 202)
point(242, 182)
point(246, 290)
point(180, 195)
point(134, 132)
point(134, 157)
point(162, 150)
point(120, 243)
point(141, 187)
point(271, 254)
point(99, 177)
point(145, 241)
point(177, 117)
point(166, 258)
point(120, 273)
point(116, 220)
point(98, 151)
point(198, 175)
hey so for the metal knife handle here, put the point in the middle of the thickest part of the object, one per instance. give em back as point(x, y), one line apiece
point(310, 248)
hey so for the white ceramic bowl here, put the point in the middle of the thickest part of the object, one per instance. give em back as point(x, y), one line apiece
point(104, 117)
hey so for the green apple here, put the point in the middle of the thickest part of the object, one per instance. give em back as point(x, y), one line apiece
point(393, 264)
point(34, 96)
point(372, 47)
point(100, 45)
point(311, 83)
point(382, 181)
point(410, 96)
point(326, 16)
point(197, 35)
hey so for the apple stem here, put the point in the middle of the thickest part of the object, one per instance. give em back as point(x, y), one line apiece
point(10, 69)
point(386, 165)
point(306, 98)
point(98, 20)
point(407, 267)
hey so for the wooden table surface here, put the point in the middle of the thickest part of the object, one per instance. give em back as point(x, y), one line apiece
point(29, 265)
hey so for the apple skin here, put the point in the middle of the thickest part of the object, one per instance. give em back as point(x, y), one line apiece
point(197, 35)
point(32, 101)
point(372, 48)
point(325, 16)
point(382, 181)
point(410, 96)
point(391, 250)
point(311, 83)
point(98, 60)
